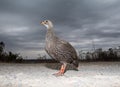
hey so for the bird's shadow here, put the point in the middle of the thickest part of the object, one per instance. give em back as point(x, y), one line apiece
point(57, 66)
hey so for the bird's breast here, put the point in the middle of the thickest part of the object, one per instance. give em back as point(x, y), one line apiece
point(49, 45)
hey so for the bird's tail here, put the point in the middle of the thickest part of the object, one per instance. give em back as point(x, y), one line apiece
point(75, 64)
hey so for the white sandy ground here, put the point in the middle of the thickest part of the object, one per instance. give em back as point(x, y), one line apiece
point(99, 74)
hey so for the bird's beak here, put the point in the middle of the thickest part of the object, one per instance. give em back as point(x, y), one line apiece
point(42, 23)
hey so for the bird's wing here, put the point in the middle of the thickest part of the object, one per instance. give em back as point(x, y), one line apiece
point(66, 47)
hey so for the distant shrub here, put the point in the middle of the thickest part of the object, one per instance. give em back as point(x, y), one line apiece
point(8, 57)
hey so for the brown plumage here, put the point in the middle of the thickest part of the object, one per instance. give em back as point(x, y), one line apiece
point(58, 49)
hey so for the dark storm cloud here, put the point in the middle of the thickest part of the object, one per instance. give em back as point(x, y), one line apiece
point(78, 21)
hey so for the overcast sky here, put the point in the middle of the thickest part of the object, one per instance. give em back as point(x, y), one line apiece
point(77, 21)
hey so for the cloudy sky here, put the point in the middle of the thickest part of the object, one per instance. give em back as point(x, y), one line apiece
point(78, 21)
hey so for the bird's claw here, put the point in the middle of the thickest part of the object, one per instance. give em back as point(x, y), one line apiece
point(58, 74)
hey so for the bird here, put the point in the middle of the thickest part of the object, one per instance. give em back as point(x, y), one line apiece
point(59, 49)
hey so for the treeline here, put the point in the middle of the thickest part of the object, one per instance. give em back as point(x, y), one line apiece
point(97, 55)
point(45, 59)
point(101, 55)
point(8, 56)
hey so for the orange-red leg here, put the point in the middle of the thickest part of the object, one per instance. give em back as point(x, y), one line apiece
point(62, 70)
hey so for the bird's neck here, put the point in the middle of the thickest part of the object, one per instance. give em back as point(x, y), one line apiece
point(50, 36)
point(50, 26)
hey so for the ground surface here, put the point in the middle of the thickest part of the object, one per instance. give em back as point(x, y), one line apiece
point(99, 74)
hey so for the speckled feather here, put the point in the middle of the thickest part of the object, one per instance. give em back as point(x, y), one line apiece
point(60, 50)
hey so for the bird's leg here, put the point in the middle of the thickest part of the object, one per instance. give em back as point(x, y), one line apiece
point(62, 70)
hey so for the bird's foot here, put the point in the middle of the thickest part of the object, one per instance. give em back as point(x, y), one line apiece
point(59, 74)
point(62, 71)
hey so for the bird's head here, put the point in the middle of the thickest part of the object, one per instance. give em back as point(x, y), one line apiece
point(47, 23)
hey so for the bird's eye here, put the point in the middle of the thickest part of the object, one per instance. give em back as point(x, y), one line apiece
point(46, 21)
